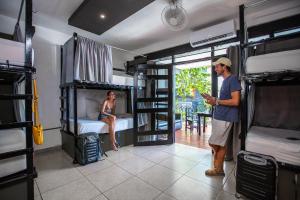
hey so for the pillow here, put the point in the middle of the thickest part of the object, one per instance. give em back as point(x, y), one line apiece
point(93, 115)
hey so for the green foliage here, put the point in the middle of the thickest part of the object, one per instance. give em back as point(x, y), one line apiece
point(188, 80)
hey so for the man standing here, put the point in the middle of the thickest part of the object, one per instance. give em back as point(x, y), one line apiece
point(225, 113)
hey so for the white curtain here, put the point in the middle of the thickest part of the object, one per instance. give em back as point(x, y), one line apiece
point(93, 61)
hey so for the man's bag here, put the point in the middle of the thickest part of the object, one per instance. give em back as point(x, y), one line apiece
point(87, 148)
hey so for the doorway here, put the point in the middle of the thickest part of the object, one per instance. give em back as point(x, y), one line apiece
point(194, 74)
point(192, 79)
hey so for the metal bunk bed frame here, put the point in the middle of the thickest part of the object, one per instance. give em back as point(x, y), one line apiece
point(286, 77)
point(68, 137)
point(21, 73)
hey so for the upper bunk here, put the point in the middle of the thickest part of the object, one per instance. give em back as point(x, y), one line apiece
point(87, 64)
point(278, 66)
point(13, 60)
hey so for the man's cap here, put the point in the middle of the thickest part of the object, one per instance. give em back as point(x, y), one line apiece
point(224, 61)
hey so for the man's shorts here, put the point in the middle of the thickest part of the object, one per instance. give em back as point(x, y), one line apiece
point(220, 132)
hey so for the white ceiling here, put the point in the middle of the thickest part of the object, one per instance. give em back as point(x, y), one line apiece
point(144, 31)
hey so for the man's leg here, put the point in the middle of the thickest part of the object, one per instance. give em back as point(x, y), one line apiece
point(220, 159)
point(215, 150)
point(217, 169)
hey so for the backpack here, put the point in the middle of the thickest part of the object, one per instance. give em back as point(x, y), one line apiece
point(87, 148)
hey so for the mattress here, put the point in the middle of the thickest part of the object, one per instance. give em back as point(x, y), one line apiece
point(282, 144)
point(274, 62)
point(10, 140)
point(125, 80)
point(87, 125)
point(12, 51)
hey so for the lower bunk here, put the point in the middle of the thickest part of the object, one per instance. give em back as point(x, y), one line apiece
point(124, 133)
point(270, 166)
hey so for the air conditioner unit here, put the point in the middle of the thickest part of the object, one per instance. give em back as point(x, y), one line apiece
point(212, 34)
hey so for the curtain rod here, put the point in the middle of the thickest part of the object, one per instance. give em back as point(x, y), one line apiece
point(118, 48)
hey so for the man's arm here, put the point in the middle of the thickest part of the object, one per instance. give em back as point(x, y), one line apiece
point(234, 101)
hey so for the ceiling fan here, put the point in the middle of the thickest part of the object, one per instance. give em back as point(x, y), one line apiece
point(174, 16)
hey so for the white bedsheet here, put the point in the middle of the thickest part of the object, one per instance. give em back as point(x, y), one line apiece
point(274, 62)
point(125, 80)
point(87, 125)
point(10, 140)
point(274, 142)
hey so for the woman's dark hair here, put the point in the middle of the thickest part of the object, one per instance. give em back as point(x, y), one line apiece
point(108, 93)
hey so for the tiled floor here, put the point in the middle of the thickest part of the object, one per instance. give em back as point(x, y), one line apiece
point(169, 172)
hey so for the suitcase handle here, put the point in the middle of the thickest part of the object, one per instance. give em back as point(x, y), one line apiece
point(255, 160)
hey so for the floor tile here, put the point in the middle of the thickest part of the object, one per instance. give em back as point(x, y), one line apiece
point(157, 156)
point(36, 189)
point(49, 162)
point(100, 197)
point(119, 156)
point(160, 177)
point(132, 189)
point(37, 197)
point(178, 164)
point(108, 178)
point(80, 189)
point(230, 184)
point(57, 178)
point(192, 154)
point(139, 150)
point(187, 152)
point(135, 164)
point(163, 196)
point(207, 159)
point(189, 189)
point(94, 167)
point(175, 148)
point(198, 173)
point(225, 196)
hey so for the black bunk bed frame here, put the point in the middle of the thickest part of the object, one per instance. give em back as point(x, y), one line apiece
point(276, 78)
point(12, 73)
point(162, 99)
point(69, 137)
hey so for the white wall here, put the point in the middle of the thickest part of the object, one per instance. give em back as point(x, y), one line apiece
point(46, 43)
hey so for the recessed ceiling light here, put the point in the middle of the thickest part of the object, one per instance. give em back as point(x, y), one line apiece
point(102, 16)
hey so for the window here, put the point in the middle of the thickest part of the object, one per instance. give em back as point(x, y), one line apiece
point(193, 65)
point(166, 60)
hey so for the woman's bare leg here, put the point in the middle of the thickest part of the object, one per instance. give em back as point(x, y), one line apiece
point(113, 125)
point(111, 131)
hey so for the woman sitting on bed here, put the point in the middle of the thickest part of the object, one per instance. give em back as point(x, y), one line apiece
point(107, 115)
